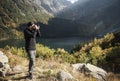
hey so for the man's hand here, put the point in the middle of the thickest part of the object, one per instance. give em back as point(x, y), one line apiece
point(37, 27)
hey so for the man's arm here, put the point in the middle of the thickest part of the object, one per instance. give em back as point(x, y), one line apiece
point(29, 34)
point(38, 33)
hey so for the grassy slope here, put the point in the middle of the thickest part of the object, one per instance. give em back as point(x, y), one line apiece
point(45, 70)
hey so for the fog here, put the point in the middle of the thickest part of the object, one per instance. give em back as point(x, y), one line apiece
point(73, 1)
point(80, 1)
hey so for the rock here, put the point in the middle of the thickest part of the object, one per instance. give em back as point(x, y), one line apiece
point(97, 72)
point(3, 58)
point(77, 66)
point(17, 69)
point(64, 76)
point(89, 69)
point(4, 66)
point(1, 64)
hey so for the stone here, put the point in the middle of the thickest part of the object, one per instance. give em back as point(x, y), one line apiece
point(3, 58)
point(1, 64)
point(4, 66)
point(64, 76)
point(89, 69)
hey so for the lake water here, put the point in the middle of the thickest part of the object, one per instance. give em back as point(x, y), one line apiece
point(66, 43)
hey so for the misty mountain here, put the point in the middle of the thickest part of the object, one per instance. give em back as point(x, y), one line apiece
point(99, 16)
point(83, 18)
point(85, 8)
point(53, 6)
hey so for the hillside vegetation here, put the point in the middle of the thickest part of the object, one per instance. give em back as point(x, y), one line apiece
point(13, 13)
point(103, 52)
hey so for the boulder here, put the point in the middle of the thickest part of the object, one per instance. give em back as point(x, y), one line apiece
point(3, 58)
point(64, 76)
point(4, 66)
point(89, 69)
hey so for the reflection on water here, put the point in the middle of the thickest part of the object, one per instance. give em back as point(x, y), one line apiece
point(12, 42)
point(66, 43)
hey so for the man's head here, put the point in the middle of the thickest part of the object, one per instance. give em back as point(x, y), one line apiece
point(30, 24)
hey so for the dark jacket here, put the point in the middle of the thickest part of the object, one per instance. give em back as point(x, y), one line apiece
point(30, 38)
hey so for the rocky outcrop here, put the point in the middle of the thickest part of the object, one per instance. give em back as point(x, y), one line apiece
point(91, 70)
point(4, 66)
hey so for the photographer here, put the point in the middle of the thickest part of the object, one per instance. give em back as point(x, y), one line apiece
point(30, 34)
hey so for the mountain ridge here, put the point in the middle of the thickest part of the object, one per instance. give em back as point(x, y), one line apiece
point(99, 16)
point(54, 6)
point(102, 19)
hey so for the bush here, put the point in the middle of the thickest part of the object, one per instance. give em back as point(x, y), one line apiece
point(108, 37)
point(65, 56)
point(96, 51)
point(112, 54)
point(81, 56)
point(44, 52)
point(16, 51)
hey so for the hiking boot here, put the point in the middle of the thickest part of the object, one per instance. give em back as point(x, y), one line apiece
point(30, 76)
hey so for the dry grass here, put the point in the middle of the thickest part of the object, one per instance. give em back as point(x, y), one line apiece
point(113, 77)
point(46, 70)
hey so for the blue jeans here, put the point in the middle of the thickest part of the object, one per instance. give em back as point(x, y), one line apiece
point(31, 55)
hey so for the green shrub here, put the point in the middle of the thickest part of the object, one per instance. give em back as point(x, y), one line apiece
point(7, 47)
point(108, 37)
point(113, 54)
point(81, 56)
point(44, 52)
point(16, 51)
point(65, 56)
point(96, 51)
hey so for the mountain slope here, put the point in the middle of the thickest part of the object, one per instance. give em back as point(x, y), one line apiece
point(88, 18)
point(13, 13)
point(81, 9)
point(99, 16)
point(53, 6)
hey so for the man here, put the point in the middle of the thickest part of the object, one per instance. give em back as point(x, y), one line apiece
point(30, 34)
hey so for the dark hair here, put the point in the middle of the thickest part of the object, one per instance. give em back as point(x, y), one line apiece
point(30, 23)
